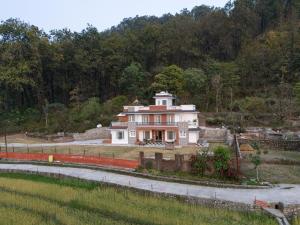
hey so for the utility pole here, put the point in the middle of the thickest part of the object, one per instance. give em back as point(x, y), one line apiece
point(5, 138)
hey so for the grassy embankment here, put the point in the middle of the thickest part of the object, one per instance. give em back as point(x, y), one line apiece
point(41, 200)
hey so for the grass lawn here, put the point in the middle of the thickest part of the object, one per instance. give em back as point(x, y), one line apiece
point(296, 221)
point(273, 173)
point(121, 152)
point(33, 199)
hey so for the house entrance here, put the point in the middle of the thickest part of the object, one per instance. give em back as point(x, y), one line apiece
point(158, 136)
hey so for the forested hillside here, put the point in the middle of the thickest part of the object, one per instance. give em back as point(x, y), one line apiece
point(243, 59)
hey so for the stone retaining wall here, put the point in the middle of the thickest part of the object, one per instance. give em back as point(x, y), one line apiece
point(291, 211)
point(96, 133)
point(159, 163)
point(275, 144)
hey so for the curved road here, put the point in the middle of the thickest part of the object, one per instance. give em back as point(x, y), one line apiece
point(288, 194)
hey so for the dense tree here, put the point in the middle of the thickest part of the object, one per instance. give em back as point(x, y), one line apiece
point(132, 79)
point(211, 57)
point(169, 79)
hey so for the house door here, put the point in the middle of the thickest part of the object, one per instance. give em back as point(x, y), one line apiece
point(159, 135)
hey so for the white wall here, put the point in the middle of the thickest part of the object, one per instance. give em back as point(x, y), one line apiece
point(186, 117)
point(115, 140)
point(193, 136)
point(159, 101)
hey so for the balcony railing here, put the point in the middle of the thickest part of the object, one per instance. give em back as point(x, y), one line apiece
point(119, 124)
point(156, 124)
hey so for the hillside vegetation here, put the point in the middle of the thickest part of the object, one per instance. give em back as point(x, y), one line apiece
point(40, 200)
point(242, 58)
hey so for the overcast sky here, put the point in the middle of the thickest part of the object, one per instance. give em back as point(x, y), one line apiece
point(76, 14)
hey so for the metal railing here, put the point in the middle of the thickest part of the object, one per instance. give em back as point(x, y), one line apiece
point(156, 124)
point(118, 124)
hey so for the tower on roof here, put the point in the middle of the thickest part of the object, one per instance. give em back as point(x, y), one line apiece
point(164, 98)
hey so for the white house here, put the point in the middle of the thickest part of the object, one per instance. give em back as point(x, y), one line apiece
point(159, 123)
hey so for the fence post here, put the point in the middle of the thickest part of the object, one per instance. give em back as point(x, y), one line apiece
point(27, 149)
point(99, 155)
point(42, 149)
point(84, 152)
point(69, 151)
point(13, 148)
point(55, 149)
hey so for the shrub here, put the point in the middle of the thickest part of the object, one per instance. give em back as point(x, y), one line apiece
point(199, 163)
point(255, 145)
point(221, 159)
point(149, 165)
point(216, 121)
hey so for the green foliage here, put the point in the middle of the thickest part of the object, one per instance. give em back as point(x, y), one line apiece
point(169, 79)
point(256, 160)
point(242, 58)
point(255, 145)
point(297, 92)
point(221, 159)
point(199, 164)
point(32, 200)
point(132, 79)
point(215, 121)
point(149, 165)
point(253, 105)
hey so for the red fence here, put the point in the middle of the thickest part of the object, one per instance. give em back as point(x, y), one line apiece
point(72, 159)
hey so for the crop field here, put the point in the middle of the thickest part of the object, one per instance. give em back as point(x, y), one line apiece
point(33, 199)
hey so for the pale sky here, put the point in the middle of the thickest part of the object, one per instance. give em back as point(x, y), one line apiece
point(76, 14)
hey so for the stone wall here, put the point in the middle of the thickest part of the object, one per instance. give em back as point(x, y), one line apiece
point(290, 211)
point(132, 127)
point(159, 163)
point(275, 144)
point(183, 126)
point(96, 133)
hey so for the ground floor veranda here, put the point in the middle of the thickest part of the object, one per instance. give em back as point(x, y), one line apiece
point(157, 135)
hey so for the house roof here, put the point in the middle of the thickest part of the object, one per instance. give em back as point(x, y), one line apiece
point(160, 112)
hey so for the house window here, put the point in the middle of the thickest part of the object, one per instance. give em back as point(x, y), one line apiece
point(147, 135)
point(171, 135)
point(170, 119)
point(157, 119)
point(164, 102)
point(182, 133)
point(132, 133)
point(131, 118)
point(120, 135)
point(145, 119)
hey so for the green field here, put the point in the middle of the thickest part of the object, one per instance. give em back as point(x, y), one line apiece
point(32, 199)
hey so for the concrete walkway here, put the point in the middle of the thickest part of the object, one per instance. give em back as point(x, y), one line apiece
point(288, 194)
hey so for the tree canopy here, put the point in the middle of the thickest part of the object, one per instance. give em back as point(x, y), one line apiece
point(211, 57)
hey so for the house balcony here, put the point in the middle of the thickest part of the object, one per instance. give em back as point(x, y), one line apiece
point(169, 124)
point(118, 125)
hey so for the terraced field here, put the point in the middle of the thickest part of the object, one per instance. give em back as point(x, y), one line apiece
point(33, 199)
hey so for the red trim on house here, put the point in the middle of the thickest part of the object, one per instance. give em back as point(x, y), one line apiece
point(157, 108)
point(118, 127)
point(123, 118)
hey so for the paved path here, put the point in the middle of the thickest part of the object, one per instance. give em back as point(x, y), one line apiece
point(288, 194)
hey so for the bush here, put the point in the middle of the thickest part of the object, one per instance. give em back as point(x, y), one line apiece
point(221, 159)
point(215, 121)
point(199, 163)
point(149, 165)
point(255, 145)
